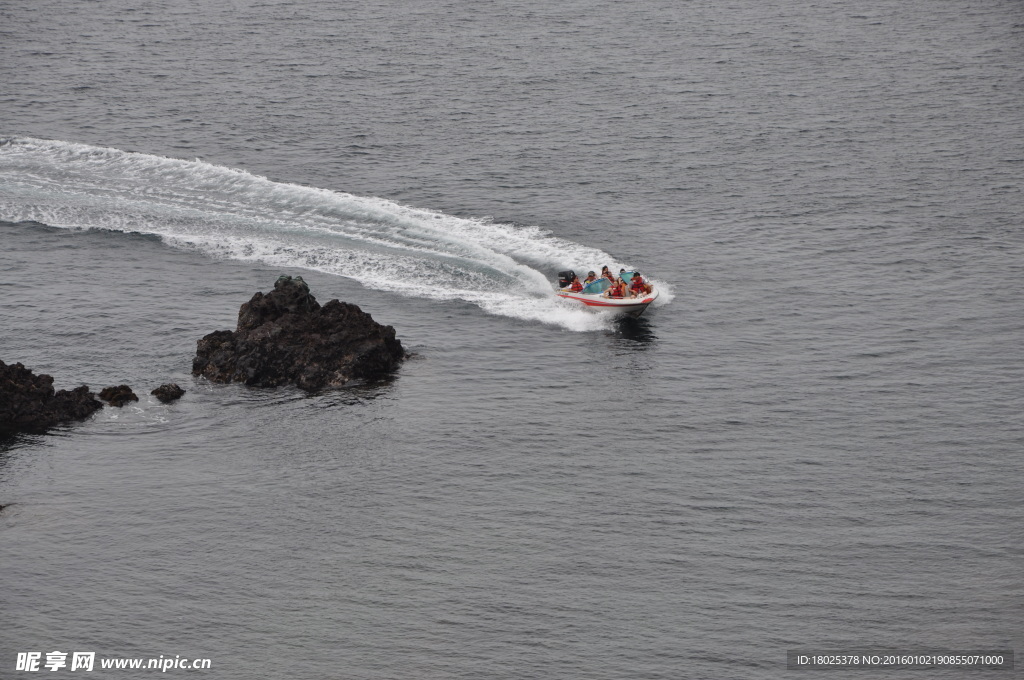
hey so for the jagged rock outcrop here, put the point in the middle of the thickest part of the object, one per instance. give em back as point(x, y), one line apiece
point(118, 396)
point(286, 337)
point(28, 402)
point(168, 392)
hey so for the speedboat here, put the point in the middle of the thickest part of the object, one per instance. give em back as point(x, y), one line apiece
point(593, 294)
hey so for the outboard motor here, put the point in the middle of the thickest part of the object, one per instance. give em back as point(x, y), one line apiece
point(565, 278)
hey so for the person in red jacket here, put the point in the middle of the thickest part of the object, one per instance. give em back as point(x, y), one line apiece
point(638, 287)
point(618, 290)
point(575, 286)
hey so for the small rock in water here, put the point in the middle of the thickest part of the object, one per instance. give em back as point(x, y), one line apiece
point(28, 402)
point(168, 392)
point(118, 396)
point(286, 337)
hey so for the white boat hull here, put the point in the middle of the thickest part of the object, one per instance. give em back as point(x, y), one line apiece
point(632, 306)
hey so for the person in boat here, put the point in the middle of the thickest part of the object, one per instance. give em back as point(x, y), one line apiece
point(607, 273)
point(591, 277)
point(637, 286)
point(617, 291)
point(575, 286)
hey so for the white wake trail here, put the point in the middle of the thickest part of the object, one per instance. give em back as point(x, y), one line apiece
point(230, 213)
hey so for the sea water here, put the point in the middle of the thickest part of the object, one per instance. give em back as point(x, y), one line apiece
point(813, 441)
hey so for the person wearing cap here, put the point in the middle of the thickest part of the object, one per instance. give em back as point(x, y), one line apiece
point(591, 277)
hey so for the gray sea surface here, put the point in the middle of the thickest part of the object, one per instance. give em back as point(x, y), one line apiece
point(814, 440)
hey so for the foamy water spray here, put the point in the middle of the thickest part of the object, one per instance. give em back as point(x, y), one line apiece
point(233, 214)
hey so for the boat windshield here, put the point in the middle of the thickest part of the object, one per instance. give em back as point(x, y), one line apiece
point(596, 287)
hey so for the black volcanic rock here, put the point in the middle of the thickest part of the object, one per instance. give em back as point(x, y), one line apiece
point(168, 392)
point(286, 337)
point(118, 396)
point(28, 402)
